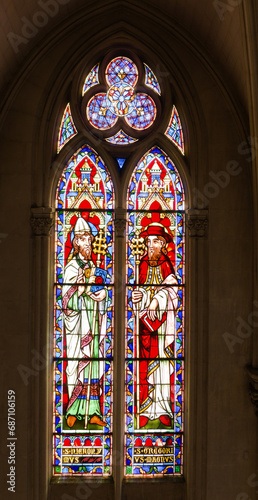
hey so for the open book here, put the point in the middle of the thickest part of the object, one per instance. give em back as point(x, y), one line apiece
point(152, 325)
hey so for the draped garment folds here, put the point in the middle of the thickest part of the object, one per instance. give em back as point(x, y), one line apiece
point(156, 338)
point(78, 320)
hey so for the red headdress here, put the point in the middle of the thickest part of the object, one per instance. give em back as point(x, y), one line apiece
point(156, 229)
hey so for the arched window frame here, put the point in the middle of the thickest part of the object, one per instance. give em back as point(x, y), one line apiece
point(113, 150)
point(155, 372)
point(56, 168)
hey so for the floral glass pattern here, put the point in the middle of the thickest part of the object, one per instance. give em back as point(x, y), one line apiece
point(121, 69)
point(98, 113)
point(144, 113)
point(121, 100)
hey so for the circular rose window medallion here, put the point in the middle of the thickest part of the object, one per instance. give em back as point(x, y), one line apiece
point(121, 99)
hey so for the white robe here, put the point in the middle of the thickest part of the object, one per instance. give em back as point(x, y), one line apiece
point(160, 398)
point(78, 326)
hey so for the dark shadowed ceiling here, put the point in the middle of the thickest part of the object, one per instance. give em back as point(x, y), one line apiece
point(216, 27)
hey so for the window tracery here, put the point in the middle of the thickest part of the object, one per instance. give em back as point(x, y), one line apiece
point(84, 298)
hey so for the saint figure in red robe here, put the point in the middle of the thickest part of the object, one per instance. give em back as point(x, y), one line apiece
point(157, 303)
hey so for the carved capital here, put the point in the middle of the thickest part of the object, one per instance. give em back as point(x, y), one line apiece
point(197, 223)
point(120, 222)
point(253, 386)
point(42, 220)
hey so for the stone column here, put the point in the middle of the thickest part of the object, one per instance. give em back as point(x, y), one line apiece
point(119, 349)
point(196, 347)
point(197, 222)
point(42, 220)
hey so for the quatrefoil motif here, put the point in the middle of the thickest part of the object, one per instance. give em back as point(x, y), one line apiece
point(121, 101)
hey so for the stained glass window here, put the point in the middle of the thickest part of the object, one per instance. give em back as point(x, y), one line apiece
point(98, 114)
point(144, 113)
point(91, 79)
point(155, 319)
point(121, 162)
point(174, 131)
point(83, 327)
point(122, 100)
point(121, 70)
point(84, 285)
point(121, 138)
point(67, 128)
point(151, 80)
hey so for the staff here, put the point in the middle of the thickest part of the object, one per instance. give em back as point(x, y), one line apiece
point(137, 246)
point(99, 248)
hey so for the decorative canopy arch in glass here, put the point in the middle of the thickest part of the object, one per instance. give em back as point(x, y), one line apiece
point(83, 327)
point(155, 319)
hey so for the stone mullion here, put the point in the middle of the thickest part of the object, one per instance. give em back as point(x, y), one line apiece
point(42, 220)
point(196, 341)
point(119, 350)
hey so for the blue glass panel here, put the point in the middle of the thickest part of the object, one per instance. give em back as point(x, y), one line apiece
point(174, 131)
point(91, 79)
point(151, 80)
point(121, 138)
point(121, 69)
point(121, 162)
point(67, 128)
point(98, 114)
point(144, 114)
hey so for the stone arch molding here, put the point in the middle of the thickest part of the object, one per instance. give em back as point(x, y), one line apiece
point(68, 77)
point(54, 172)
point(55, 95)
point(140, 27)
point(178, 84)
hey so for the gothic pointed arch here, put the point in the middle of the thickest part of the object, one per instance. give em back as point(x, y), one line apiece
point(83, 327)
point(119, 105)
point(155, 318)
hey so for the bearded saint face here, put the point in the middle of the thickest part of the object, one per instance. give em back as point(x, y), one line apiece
point(154, 249)
point(83, 242)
